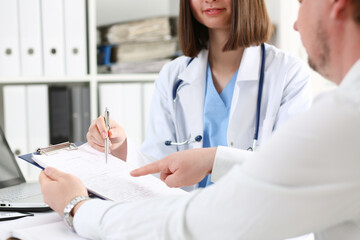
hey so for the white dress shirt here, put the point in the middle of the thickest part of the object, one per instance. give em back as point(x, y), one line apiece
point(306, 178)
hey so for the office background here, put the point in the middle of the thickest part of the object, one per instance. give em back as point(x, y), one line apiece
point(63, 61)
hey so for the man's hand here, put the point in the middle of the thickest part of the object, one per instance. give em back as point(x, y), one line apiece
point(183, 168)
point(59, 188)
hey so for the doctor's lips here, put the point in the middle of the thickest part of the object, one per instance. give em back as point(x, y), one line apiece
point(213, 11)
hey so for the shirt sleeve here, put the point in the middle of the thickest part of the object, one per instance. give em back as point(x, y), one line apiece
point(304, 179)
point(225, 159)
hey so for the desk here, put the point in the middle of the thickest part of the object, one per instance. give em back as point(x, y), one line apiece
point(41, 226)
point(44, 226)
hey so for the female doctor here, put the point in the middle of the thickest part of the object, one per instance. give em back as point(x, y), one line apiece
point(229, 89)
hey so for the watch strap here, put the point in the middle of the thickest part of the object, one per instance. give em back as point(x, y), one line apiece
point(68, 218)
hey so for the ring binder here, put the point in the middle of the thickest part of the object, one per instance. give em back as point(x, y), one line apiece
point(56, 148)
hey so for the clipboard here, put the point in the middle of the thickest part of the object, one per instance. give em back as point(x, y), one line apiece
point(67, 146)
point(106, 180)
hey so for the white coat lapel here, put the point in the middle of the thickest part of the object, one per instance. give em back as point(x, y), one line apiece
point(191, 98)
point(243, 106)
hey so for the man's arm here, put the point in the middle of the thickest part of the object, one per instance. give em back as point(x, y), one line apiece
point(302, 180)
point(225, 159)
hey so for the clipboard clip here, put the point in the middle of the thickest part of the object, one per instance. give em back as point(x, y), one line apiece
point(56, 148)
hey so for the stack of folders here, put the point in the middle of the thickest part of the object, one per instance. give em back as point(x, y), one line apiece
point(45, 115)
point(43, 38)
point(39, 38)
point(138, 46)
point(69, 111)
point(26, 123)
point(146, 30)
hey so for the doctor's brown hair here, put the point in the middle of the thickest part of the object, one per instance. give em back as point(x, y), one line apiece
point(250, 25)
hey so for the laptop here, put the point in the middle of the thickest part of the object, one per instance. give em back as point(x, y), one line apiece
point(15, 193)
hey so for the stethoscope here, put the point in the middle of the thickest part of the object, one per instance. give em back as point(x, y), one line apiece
point(177, 87)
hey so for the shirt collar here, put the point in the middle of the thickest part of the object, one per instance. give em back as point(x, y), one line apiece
point(352, 76)
point(350, 85)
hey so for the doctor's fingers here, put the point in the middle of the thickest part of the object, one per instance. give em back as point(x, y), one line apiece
point(116, 132)
point(100, 148)
point(93, 133)
point(101, 127)
point(94, 139)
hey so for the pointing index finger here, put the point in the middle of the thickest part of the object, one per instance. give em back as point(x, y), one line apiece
point(147, 169)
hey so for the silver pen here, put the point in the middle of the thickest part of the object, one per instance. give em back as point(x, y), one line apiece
point(107, 124)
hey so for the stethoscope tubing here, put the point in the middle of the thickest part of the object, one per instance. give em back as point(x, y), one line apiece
point(198, 138)
point(260, 91)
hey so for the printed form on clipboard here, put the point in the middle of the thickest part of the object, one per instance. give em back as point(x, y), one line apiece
point(110, 181)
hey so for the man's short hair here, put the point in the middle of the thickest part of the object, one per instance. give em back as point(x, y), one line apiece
point(250, 25)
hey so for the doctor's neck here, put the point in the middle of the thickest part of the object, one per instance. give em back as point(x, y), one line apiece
point(218, 59)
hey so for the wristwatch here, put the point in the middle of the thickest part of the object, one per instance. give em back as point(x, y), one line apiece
point(69, 207)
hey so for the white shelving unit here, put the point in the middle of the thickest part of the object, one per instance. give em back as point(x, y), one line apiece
point(92, 79)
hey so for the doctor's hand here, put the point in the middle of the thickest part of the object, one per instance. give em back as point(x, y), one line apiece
point(183, 168)
point(59, 188)
point(117, 137)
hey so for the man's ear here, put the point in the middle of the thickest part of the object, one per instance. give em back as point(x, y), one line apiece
point(339, 9)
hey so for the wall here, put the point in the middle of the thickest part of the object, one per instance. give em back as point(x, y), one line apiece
point(283, 14)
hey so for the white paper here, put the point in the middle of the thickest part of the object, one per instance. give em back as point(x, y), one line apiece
point(7, 227)
point(112, 180)
point(53, 231)
point(305, 237)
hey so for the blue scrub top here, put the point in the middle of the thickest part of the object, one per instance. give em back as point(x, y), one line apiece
point(216, 115)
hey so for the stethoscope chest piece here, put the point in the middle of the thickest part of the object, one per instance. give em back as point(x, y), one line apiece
point(198, 138)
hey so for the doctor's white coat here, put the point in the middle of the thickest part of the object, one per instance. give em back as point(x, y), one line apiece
point(286, 93)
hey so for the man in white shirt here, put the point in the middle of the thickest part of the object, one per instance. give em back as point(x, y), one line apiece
point(306, 178)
